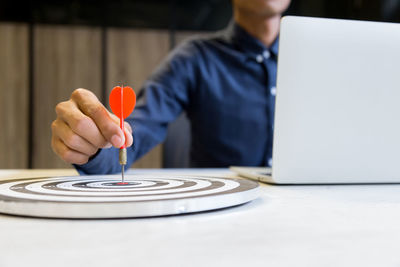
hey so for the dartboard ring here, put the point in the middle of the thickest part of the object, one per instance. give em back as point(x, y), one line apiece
point(103, 196)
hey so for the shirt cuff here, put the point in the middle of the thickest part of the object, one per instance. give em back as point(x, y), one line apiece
point(97, 164)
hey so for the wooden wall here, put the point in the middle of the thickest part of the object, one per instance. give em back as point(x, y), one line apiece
point(14, 95)
point(65, 58)
point(132, 56)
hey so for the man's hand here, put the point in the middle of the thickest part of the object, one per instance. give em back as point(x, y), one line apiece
point(84, 125)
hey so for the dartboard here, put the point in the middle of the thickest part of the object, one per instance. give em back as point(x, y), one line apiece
point(104, 196)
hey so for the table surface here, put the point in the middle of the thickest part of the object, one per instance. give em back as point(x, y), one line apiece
point(319, 225)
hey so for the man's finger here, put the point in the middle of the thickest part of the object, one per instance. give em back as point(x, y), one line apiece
point(71, 139)
point(67, 154)
point(80, 123)
point(128, 130)
point(128, 135)
point(89, 104)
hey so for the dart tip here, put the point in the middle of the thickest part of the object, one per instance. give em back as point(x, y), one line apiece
point(122, 174)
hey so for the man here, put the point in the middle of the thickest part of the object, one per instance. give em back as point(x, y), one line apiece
point(226, 84)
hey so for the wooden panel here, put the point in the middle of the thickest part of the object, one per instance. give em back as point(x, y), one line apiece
point(65, 58)
point(132, 56)
point(14, 63)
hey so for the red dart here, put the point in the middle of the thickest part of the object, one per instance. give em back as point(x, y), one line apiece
point(122, 102)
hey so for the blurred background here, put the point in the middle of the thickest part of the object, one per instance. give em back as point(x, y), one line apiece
point(49, 48)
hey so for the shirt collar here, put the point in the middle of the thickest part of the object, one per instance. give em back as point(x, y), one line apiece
point(248, 44)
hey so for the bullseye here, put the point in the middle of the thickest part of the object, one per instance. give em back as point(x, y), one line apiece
point(120, 183)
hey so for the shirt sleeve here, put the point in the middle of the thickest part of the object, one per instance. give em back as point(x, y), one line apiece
point(160, 101)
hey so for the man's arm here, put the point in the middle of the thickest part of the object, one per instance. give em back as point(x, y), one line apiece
point(163, 97)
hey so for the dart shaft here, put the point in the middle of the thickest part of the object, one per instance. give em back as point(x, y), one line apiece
point(122, 161)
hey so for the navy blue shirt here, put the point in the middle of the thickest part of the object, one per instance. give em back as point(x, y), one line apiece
point(226, 84)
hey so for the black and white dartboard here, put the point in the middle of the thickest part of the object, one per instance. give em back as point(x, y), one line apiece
point(105, 197)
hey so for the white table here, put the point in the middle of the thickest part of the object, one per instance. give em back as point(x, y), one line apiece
point(354, 225)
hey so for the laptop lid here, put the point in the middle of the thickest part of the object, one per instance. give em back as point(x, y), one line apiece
point(337, 117)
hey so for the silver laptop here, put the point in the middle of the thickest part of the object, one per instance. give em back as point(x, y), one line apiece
point(337, 117)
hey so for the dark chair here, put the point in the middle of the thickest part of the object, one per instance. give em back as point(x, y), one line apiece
point(176, 153)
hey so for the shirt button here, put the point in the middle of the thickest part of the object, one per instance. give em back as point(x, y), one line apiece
point(270, 162)
point(259, 58)
point(273, 91)
point(266, 54)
